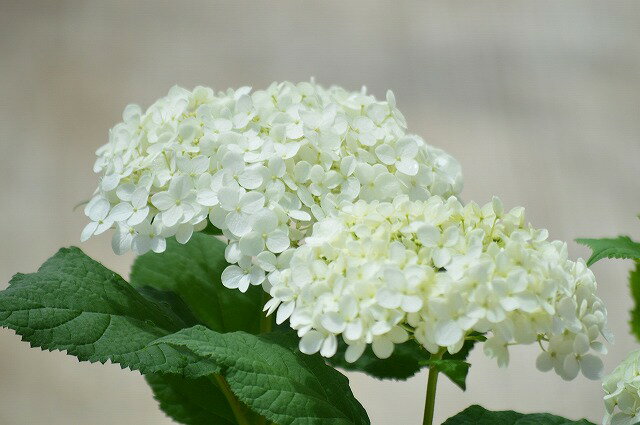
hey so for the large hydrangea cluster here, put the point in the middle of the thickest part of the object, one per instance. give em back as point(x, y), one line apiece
point(381, 272)
point(622, 392)
point(261, 166)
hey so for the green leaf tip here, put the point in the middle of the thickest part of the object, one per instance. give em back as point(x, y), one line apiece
point(620, 247)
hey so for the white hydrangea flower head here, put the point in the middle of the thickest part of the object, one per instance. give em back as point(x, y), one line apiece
point(261, 166)
point(380, 272)
point(622, 392)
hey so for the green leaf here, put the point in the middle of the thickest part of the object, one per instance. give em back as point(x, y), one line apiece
point(407, 360)
point(634, 283)
point(477, 415)
point(76, 304)
point(454, 366)
point(267, 374)
point(192, 272)
point(620, 247)
point(191, 401)
point(187, 278)
point(456, 370)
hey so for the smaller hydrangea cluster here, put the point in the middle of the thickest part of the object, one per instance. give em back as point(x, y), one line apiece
point(622, 392)
point(381, 272)
point(261, 166)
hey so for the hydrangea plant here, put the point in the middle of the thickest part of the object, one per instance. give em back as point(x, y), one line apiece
point(286, 232)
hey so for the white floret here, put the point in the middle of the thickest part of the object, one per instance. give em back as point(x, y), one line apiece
point(377, 273)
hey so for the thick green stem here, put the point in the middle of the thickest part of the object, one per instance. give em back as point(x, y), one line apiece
point(430, 400)
point(236, 407)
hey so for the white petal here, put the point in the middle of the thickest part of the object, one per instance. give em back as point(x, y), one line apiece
point(278, 241)
point(180, 187)
point(158, 244)
point(285, 311)
point(88, 231)
point(99, 209)
point(163, 201)
point(388, 298)
point(121, 242)
point(570, 367)
point(207, 197)
point(333, 322)
point(441, 257)
point(110, 182)
point(353, 331)
point(138, 216)
point(311, 342)
point(354, 351)
point(407, 147)
point(266, 261)
point(386, 186)
point(581, 344)
point(125, 191)
point(408, 166)
point(300, 215)
point(382, 348)
point(171, 216)
point(229, 197)
point(386, 154)
point(141, 244)
point(250, 179)
point(121, 212)
point(447, 333)
point(251, 202)
point(428, 235)
point(232, 253)
point(233, 276)
point(140, 197)
point(265, 221)
point(184, 233)
point(251, 244)
point(411, 304)
point(591, 367)
point(103, 227)
point(329, 346)
point(237, 223)
point(544, 362)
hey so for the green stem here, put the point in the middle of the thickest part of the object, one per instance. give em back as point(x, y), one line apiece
point(236, 407)
point(430, 400)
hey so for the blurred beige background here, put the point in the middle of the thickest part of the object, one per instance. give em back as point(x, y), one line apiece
point(540, 101)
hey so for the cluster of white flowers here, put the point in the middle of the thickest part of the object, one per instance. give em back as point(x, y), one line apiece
point(261, 166)
point(381, 272)
point(622, 390)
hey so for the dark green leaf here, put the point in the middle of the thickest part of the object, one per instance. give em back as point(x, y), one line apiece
point(192, 272)
point(407, 359)
point(620, 247)
point(634, 283)
point(191, 401)
point(270, 376)
point(187, 278)
point(477, 415)
point(456, 370)
point(74, 303)
point(454, 366)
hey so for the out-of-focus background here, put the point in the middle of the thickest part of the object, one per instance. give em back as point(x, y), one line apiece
point(540, 102)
